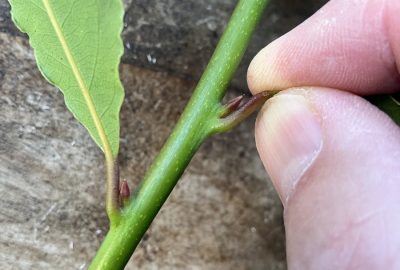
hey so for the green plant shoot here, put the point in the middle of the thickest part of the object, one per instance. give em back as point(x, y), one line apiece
point(78, 49)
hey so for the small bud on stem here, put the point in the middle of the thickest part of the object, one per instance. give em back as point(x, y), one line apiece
point(124, 192)
point(231, 106)
point(236, 111)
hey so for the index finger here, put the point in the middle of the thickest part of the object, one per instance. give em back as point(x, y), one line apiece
point(351, 45)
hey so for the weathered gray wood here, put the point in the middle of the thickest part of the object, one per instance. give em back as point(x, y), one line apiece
point(223, 214)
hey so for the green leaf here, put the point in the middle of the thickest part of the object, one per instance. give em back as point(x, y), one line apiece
point(78, 48)
point(390, 104)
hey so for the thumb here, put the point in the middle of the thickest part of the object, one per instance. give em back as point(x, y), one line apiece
point(335, 161)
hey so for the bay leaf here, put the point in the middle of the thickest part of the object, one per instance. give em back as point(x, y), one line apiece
point(77, 45)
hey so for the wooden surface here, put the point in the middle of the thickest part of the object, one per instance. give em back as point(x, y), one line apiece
point(223, 214)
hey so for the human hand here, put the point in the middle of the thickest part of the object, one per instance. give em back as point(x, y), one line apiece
point(333, 157)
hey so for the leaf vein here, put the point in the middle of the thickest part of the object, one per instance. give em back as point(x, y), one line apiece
point(78, 76)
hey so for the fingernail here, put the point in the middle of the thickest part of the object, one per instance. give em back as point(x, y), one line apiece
point(289, 139)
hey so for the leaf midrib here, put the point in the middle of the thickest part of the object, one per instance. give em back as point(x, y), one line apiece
point(79, 78)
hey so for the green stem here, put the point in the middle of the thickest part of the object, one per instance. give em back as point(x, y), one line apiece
point(112, 191)
point(195, 125)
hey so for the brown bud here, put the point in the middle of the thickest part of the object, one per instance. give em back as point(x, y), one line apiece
point(232, 106)
point(124, 192)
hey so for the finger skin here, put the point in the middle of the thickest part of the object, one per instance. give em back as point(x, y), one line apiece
point(333, 157)
point(343, 211)
point(351, 45)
